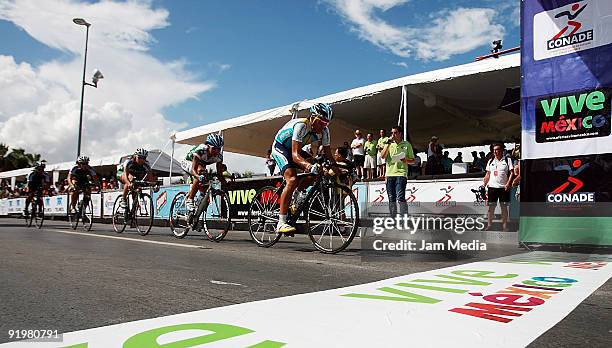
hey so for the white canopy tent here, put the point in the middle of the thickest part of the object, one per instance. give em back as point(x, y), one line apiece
point(162, 165)
point(458, 104)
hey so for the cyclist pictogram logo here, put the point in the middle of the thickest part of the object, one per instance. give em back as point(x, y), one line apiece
point(573, 171)
point(447, 197)
point(568, 192)
point(381, 195)
point(571, 22)
point(411, 191)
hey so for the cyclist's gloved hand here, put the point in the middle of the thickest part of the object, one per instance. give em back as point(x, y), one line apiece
point(315, 168)
point(202, 178)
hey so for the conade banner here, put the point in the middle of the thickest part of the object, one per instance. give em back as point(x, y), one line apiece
point(566, 81)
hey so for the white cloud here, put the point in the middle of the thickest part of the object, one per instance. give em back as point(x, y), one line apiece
point(451, 32)
point(402, 64)
point(39, 105)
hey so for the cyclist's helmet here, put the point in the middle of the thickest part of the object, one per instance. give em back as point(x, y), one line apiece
point(41, 165)
point(215, 140)
point(140, 152)
point(322, 110)
point(83, 160)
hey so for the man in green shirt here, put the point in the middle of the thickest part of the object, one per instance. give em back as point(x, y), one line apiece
point(370, 156)
point(398, 155)
point(379, 159)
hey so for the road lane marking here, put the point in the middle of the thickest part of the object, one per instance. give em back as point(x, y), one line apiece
point(218, 282)
point(127, 238)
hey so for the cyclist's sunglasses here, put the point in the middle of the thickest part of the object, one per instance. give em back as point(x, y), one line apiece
point(142, 157)
point(323, 122)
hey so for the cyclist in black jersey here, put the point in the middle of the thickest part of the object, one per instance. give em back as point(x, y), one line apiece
point(137, 167)
point(80, 178)
point(38, 180)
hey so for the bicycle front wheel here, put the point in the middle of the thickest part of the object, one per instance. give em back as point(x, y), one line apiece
point(87, 215)
point(179, 216)
point(144, 214)
point(74, 218)
point(119, 216)
point(263, 217)
point(332, 218)
point(39, 215)
point(217, 216)
point(29, 218)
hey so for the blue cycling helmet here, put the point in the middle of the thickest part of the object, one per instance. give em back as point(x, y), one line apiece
point(215, 140)
point(322, 110)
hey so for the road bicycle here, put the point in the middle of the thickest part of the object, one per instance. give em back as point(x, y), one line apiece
point(36, 214)
point(84, 211)
point(211, 215)
point(138, 211)
point(329, 211)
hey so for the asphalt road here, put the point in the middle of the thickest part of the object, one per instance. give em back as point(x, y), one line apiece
point(56, 279)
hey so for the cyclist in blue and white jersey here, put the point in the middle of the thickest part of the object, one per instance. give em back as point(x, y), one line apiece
point(289, 156)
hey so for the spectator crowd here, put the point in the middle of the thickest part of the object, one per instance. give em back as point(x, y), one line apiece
point(58, 188)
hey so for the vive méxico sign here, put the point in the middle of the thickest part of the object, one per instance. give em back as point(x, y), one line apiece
point(577, 115)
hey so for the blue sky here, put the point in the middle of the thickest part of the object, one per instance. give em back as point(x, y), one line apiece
point(194, 62)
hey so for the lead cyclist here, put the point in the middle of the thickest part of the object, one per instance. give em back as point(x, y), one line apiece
point(289, 156)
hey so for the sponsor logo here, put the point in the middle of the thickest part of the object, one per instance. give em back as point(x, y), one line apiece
point(572, 28)
point(578, 115)
point(161, 201)
point(447, 196)
point(411, 191)
point(572, 185)
point(563, 37)
point(381, 195)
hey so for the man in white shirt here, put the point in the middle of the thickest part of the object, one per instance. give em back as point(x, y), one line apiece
point(358, 152)
point(498, 180)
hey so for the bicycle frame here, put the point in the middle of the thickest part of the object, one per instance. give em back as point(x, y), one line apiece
point(293, 217)
point(204, 189)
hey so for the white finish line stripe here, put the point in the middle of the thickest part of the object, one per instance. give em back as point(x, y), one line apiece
point(506, 302)
point(125, 238)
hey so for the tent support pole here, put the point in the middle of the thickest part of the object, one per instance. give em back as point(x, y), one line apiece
point(173, 138)
point(405, 99)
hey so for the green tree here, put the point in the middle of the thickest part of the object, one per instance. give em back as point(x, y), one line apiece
point(16, 158)
point(247, 174)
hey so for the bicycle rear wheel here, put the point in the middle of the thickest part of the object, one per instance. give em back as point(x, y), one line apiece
point(332, 218)
point(179, 215)
point(119, 220)
point(263, 217)
point(217, 216)
point(144, 214)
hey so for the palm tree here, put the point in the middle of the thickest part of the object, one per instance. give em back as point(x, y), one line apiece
point(16, 159)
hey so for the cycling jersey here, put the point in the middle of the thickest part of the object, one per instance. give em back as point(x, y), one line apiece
point(201, 153)
point(36, 180)
point(82, 175)
point(300, 129)
point(131, 167)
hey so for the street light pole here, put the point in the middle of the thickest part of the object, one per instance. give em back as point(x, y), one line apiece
point(80, 21)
